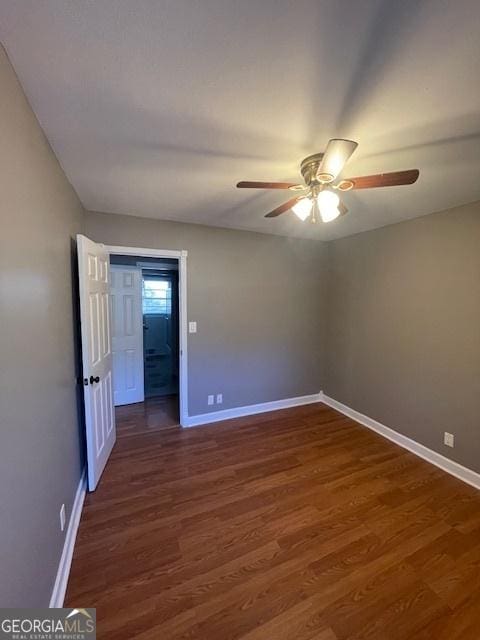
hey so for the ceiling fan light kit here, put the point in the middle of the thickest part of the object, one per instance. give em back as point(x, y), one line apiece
point(325, 203)
point(303, 208)
point(328, 202)
point(319, 171)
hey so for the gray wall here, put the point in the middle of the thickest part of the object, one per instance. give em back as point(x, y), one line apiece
point(40, 458)
point(403, 339)
point(259, 303)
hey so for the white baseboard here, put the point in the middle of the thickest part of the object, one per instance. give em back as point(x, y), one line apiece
point(453, 468)
point(250, 410)
point(60, 586)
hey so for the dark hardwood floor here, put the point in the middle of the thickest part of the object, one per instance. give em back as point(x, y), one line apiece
point(158, 413)
point(293, 525)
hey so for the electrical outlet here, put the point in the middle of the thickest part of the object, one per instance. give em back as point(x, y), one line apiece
point(192, 327)
point(449, 439)
point(62, 517)
point(210, 400)
point(219, 398)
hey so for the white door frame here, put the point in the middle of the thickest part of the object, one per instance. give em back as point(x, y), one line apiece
point(181, 256)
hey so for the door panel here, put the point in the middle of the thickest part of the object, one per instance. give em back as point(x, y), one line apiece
point(127, 334)
point(108, 395)
point(105, 325)
point(94, 330)
point(99, 420)
point(130, 369)
point(128, 313)
point(93, 269)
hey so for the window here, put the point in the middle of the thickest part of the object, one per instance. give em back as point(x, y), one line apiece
point(157, 296)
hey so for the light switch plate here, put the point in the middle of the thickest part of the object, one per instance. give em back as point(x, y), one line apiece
point(192, 327)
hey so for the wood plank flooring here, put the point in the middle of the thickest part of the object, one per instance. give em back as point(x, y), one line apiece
point(293, 525)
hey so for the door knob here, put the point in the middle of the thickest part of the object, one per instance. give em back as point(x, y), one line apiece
point(96, 379)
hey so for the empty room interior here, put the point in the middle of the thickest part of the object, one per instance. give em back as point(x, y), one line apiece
point(240, 345)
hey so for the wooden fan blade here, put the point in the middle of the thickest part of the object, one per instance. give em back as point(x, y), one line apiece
point(392, 179)
point(282, 208)
point(245, 184)
point(337, 153)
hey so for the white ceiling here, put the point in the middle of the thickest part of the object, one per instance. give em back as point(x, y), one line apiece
point(158, 107)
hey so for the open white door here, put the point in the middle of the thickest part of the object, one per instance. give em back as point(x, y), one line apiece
point(127, 334)
point(94, 277)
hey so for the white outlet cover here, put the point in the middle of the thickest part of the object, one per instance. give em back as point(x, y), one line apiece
point(192, 327)
point(449, 439)
point(210, 400)
point(62, 517)
point(219, 398)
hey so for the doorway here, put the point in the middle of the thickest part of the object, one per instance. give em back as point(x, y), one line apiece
point(160, 330)
point(145, 256)
point(144, 299)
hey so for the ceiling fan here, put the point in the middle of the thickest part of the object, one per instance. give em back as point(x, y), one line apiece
point(319, 199)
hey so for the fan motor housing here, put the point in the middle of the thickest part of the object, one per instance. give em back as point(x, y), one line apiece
point(309, 168)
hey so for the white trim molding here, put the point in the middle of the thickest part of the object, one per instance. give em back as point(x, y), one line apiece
point(181, 256)
point(250, 410)
point(61, 580)
point(453, 468)
point(144, 252)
